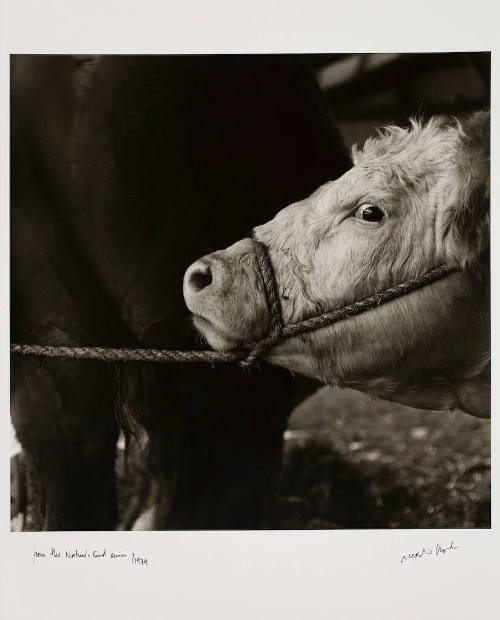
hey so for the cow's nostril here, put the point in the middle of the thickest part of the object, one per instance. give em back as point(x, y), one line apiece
point(200, 278)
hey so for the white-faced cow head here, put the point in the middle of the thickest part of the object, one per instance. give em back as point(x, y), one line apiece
point(415, 198)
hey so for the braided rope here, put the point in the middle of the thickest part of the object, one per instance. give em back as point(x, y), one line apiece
point(378, 299)
point(106, 354)
point(277, 331)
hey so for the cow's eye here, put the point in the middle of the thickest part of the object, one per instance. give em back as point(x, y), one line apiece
point(369, 213)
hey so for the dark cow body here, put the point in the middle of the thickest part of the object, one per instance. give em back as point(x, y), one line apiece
point(122, 169)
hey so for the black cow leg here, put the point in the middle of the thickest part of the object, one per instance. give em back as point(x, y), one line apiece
point(219, 446)
point(84, 497)
point(71, 492)
point(68, 432)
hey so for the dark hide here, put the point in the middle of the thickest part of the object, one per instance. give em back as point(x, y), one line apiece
point(124, 171)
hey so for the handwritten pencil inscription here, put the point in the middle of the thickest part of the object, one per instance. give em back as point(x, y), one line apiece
point(100, 554)
point(438, 550)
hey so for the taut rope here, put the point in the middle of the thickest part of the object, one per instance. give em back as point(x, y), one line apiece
point(277, 333)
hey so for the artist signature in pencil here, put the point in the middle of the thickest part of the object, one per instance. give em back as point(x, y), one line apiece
point(435, 551)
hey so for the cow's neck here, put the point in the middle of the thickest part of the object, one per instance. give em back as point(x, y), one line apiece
point(448, 361)
point(471, 395)
point(427, 350)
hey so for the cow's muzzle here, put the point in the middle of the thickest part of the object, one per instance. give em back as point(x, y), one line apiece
point(224, 294)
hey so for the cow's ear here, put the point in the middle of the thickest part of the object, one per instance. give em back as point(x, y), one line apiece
point(467, 220)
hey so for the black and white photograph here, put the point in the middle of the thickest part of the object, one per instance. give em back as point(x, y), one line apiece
point(250, 291)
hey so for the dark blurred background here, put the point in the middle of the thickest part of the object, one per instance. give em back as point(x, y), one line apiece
point(368, 90)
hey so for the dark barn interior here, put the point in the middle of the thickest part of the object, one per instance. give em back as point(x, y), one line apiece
point(370, 90)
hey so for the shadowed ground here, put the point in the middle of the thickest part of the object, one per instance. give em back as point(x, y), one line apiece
point(353, 462)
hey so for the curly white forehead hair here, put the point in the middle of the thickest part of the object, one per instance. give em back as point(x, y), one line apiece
point(407, 147)
point(446, 154)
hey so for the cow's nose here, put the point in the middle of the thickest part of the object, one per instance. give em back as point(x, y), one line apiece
point(198, 277)
point(204, 281)
point(198, 282)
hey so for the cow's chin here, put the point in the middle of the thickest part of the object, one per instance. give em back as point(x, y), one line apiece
point(291, 356)
point(216, 337)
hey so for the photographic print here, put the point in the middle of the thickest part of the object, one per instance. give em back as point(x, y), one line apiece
point(250, 291)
